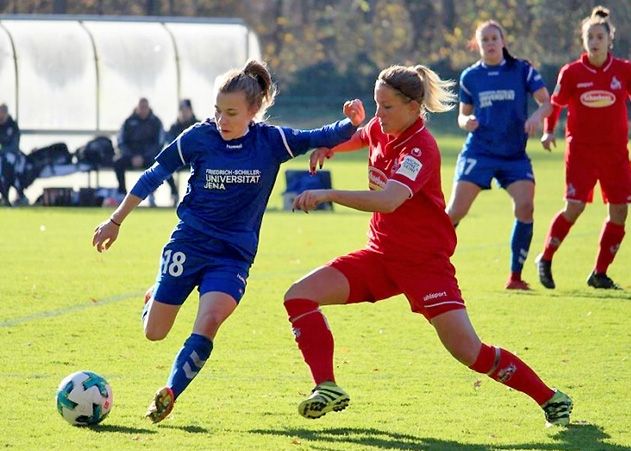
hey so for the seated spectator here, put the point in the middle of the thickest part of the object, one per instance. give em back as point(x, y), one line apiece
point(140, 139)
point(185, 118)
point(11, 159)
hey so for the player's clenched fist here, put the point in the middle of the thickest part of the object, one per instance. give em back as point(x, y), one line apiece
point(354, 110)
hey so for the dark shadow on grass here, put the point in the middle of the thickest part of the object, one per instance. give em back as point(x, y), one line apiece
point(191, 429)
point(370, 438)
point(576, 437)
point(119, 428)
point(579, 437)
point(592, 294)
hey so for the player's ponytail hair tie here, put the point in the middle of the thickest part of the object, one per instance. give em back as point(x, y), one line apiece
point(259, 80)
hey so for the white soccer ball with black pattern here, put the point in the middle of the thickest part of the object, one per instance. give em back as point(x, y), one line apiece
point(84, 398)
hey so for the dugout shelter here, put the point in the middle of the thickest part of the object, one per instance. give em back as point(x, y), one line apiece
point(71, 78)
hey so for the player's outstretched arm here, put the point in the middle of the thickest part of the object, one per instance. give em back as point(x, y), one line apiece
point(106, 233)
point(317, 157)
point(384, 201)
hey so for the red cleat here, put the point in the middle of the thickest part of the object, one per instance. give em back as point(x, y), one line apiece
point(517, 284)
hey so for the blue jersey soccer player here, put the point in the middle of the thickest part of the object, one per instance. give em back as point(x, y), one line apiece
point(234, 163)
point(494, 110)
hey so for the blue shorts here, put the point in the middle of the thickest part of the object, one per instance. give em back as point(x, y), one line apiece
point(191, 259)
point(481, 170)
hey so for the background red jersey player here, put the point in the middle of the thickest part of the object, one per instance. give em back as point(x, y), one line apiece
point(410, 242)
point(595, 89)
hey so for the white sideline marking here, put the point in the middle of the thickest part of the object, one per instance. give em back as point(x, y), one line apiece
point(70, 309)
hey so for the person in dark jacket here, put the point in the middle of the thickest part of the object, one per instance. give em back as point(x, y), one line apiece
point(12, 161)
point(185, 118)
point(140, 139)
point(9, 131)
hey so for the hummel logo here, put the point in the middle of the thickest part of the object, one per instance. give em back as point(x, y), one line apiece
point(234, 146)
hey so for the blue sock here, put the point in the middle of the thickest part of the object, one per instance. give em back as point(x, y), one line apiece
point(520, 244)
point(188, 362)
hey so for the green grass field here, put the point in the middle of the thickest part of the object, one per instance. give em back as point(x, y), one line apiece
point(64, 307)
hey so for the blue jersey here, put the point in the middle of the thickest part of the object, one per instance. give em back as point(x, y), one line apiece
point(231, 181)
point(499, 95)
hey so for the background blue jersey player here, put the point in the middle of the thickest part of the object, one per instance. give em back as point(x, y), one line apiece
point(234, 163)
point(494, 110)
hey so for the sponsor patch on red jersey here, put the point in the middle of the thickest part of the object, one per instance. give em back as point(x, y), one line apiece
point(376, 179)
point(597, 98)
point(410, 167)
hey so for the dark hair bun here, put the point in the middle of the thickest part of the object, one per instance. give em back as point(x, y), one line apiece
point(600, 11)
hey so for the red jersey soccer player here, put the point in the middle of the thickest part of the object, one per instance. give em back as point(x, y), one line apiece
point(410, 242)
point(595, 89)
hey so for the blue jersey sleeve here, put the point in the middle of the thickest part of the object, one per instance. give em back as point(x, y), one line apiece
point(150, 180)
point(179, 152)
point(534, 81)
point(465, 94)
point(296, 142)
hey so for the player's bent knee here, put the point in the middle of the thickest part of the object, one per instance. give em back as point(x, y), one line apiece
point(456, 213)
point(153, 333)
point(464, 354)
point(303, 291)
point(524, 210)
point(573, 210)
point(296, 290)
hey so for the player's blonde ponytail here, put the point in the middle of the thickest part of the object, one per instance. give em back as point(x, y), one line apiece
point(438, 94)
point(422, 85)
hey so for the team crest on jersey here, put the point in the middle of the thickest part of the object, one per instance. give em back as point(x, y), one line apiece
point(376, 179)
point(409, 167)
point(597, 98)
point(615, 83)
point(416, 152)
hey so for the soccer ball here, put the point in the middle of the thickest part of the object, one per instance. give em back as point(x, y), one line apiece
point(84, 398)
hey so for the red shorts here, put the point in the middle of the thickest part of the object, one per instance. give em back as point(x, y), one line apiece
point(430, 286)
point(584, 167)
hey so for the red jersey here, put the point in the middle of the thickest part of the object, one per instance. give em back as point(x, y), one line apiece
point(596, 98)
point(420, 225)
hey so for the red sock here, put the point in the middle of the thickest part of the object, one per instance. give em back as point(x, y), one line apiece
point(559, 229)
point(610, 239)
point(313, 336)
point(504, 367)
point(515, 275)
